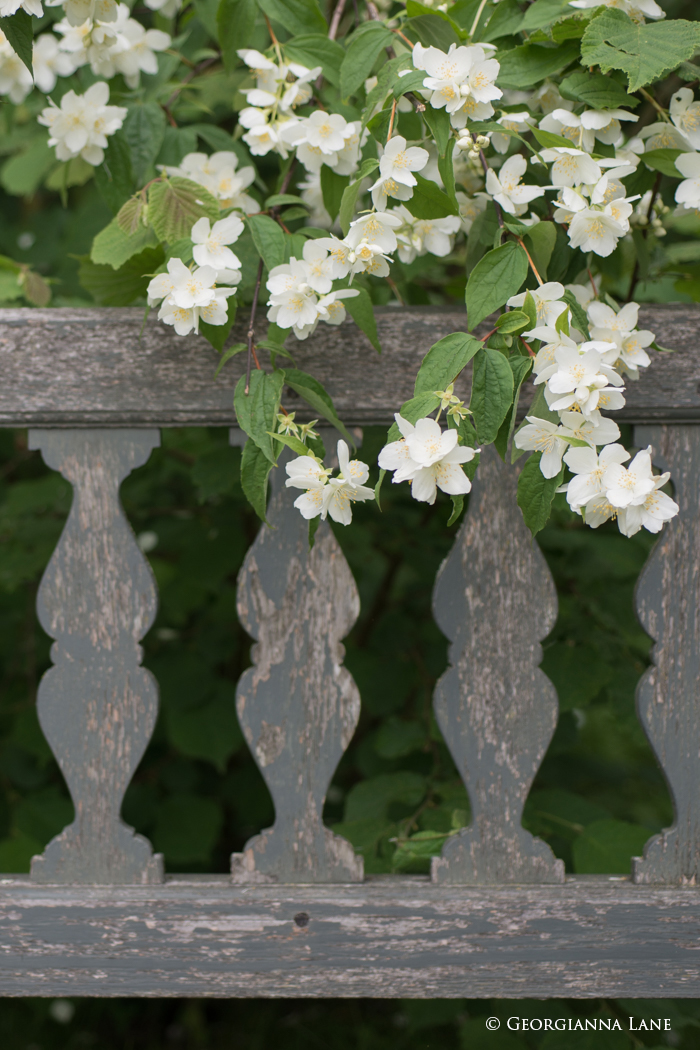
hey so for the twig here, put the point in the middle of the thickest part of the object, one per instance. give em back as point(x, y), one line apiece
point(415, 102)
point(645, 234)
point(590, 277)
point(479, 13)
point(404, 38)
point(335, 20)
point(529, 259)
point(391, 120)
point(199, 68)
point(529, 349)
point(274, 39)
point(659, 109)
point(251, 328)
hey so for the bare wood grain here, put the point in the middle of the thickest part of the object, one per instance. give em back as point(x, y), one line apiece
point(298, 706)
point(668, 694)
point(68, 367)
point(97, 706)
point(494, 599)
point(199, 936)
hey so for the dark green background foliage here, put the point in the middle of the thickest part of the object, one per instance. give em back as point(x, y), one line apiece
point(198, 794)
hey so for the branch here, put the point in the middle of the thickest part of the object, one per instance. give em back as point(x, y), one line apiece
point(251, 328)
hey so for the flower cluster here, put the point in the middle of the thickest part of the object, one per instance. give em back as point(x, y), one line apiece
point(429, 458)
point(301, 292)
point(462, 81)
point(80, 126)
point(280, 88)
point(325, 494)
point(188, 295)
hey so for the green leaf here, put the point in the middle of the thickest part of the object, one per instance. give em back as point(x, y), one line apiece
point(521, 368)
point(187, 828)
point(439, 123)
point(596, 90)
point(175, 205)
point(541, 237)
point(217, 334)
point(235, 20)
point(299, 17)
point(363, 48)
point(492, 393)
point(314, 394)
point(315, 49)
point(257, 410)
point(143, 129)
point(313, 529)
point(268, 238)
point(114, 177)
point(291, 442)
point(370, 799)
point(525, 66)
point(120, 287)
point(433, 31)
point(350, 194)
point(607, 846)
point(20, 35)
point(237, 348)
point(513, 321)
point(255, 470)
point(413, 81)
point(504, 21)
point(23, 174)
point(444, 361)
point(550, 140)
point(663, 160)
point(333, 188)
point(494, 279)
point(457, 508)
point(429, 201)
point(578, 314)
point(75, 172)
point(542, 13)
point(645, 52)
point(535, 493)
point(209, 731)
point(362, 312)
point(112, 246)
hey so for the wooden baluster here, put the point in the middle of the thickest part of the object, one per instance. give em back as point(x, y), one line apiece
point(668, 694)
point(495, 600)
point(97, 705)
point(298, 706)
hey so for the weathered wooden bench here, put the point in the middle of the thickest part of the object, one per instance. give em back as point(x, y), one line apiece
point(98, 916)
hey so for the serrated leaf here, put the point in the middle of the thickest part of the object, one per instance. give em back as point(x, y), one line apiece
point(365, 44)
point(257, 410)
point(120, 287)
point(645, 52)
point(362, 312)
point(497, 276)
point(235, 21)
point(315, 49)
point(492, 393)
point(35, 288)
point(175, 205)
point(527, 65)
point(255, 471)
point(113, 247)
point(143, 129)
point(596, 90)
point(429, 201)
point(299, 17)
point(444, 361)
point(19, 31)
point(536, 493)
point(350, 194)
point(268, 238)
point(314, 394)
point(130, 215)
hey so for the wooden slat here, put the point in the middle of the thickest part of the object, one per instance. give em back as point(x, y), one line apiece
point(66, 367)
point(393, 936)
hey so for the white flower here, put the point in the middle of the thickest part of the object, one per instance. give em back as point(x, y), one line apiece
point(210, 242)
point(330, 307)
point(429, 458)
point(584, 293)
point(688, 191)
point(187, 288)
point(590, 469)
point(418, 236)
point(135, 50)
point(339, 261)
point(50, 62)
point(218, 174)
point(166, 7)
point(662, 135)
point(11, 7)
point(620, 329)
point(446, 73)
point(627, 486)
point(292, 299)
point(325, 131)
point(543, 436)
point(80, 127)
point(80, 11)
point(594, 228)
point(596, 429)
point(318, 267)
point(548, 302)
point(15, 79)
point(396, 169)
point(518, 122)
point(685, 114)
point(326, 495)
point(375, 228)
point(577, 377)
point(306, 472)
point(470, 208)
point(651, 514)
point(636, 9)
point(571, 166)
point(507, 189)
point(544, 363)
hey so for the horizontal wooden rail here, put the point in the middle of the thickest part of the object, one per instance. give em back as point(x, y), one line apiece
point(67, 367)
point(392, 936)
